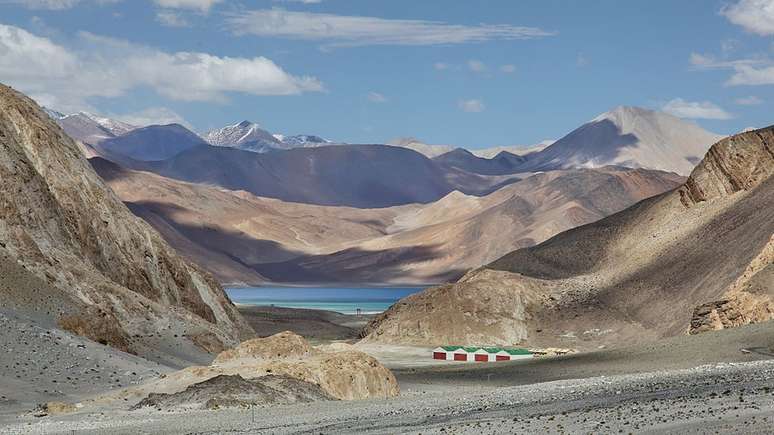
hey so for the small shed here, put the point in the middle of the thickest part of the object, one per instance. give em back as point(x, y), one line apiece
point(482, 355)
point(463, 354)
point(479, 354)
point(444, 352)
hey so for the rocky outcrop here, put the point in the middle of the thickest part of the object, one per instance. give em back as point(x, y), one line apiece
point(285, 345)
point(749, 300)
point(339, 372)
point(124, 285)
point(737, 163)
point(345, 374)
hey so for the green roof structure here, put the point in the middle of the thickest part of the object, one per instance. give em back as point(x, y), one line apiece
point(472, 349)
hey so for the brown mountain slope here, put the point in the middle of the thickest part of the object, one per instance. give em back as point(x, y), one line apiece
point(117, 280)
point(243, 238)
point(633, 276)
point(227, 231)
point(439, 242)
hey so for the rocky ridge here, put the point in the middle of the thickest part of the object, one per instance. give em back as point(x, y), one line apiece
point(121, 283)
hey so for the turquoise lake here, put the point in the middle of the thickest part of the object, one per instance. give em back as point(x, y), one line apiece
point(345, 300)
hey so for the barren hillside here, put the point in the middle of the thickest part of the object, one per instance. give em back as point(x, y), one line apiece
point(115, 280)
point(244, 238)
point(636, 275)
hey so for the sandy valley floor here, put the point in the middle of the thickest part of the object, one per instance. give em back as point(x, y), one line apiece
point(713, 382)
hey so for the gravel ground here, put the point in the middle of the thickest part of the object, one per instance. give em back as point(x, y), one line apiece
point(40, 364)
point(736, 397)
point(686, 384)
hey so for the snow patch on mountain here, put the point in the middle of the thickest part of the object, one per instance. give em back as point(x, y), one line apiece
point(245, 135)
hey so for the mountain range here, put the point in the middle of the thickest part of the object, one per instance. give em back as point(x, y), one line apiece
point(503, 163)
point(697, 258)
point(455, 201)
point(243, 238)
point(249, 136)
point(89, 128)
point(363, 176)
point(487, 153)
point(624, 136)
point(391, 214)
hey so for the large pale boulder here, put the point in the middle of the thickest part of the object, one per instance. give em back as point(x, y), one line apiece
point(285, 345)
point(346, 374)
point(341, 372)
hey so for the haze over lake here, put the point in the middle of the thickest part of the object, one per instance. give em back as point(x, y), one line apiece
point(345, 300)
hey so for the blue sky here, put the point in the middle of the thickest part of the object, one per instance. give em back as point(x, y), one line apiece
point(472, 74)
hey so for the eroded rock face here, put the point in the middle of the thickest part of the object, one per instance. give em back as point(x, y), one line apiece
point(60, 221)
point(736, 163)
point(749, 300)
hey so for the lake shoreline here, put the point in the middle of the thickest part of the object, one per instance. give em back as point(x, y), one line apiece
point(329, 285)
point(342, 300)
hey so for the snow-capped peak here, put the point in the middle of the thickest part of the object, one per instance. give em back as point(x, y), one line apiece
point(244, 135)
point(116, 127)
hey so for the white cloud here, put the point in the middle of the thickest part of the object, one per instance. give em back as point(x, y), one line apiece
point(704, 61)
point(103, 67)
point(748, 101)
point(581, 60)
point(440, 66)
point(376, 97)
point(200, 5)
point(750, 72)
point(171, 19)
point(476, 66)
point(750, 75)
point(352, 31)
point(471, 106)
point(152, 116)
point(728, 46)
point(508, 69)
point(53, 5)
point(44, 4)
point(695, 110)
point(756, 16)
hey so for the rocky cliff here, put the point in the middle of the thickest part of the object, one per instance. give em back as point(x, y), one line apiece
point(736, 163)
point(739, 163)
point(123, 285)
point(749, 300)
point(634, 276)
